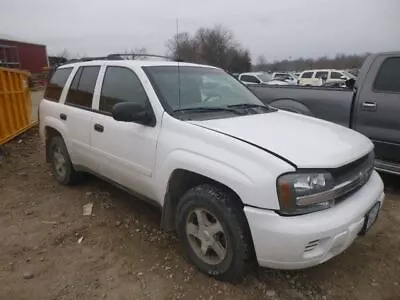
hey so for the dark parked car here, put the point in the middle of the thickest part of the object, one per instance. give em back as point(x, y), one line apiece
point(372, 107)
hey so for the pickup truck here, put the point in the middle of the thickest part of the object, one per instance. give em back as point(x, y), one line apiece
point(371, 107)
point(187, 138)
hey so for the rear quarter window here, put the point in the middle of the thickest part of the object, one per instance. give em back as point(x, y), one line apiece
point(249, 78)
point(56, 84)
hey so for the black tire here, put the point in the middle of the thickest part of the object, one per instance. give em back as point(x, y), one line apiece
point(70, 176)
point(235, 231)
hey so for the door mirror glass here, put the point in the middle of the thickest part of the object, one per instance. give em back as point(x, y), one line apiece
point(350, 83)
point(132, 112)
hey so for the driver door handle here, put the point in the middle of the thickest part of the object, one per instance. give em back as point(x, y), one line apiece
point(368, 105)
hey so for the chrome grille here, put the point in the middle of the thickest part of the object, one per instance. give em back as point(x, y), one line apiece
point(354, 177)
point(348, 179)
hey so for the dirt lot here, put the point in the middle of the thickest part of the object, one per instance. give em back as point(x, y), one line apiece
point(123, 255)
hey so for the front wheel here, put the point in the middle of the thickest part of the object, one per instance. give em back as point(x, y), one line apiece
point(214, 233)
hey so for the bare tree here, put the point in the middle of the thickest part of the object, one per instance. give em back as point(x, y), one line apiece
point(183, 46)
point(215, 46)
point(136, 53)
point(65, 54)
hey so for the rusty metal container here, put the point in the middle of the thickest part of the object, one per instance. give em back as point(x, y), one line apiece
point(15, 104)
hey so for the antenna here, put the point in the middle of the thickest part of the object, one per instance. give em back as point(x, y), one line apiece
point(179, 70)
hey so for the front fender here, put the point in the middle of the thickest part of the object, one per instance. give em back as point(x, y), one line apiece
point(202, 165)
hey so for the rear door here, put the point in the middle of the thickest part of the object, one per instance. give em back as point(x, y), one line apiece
point(378, 107)
point(77, 114)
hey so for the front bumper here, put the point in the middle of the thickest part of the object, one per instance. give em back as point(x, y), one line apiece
point(303, 241)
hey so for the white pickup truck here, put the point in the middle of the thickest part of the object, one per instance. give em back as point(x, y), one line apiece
point(236, 179)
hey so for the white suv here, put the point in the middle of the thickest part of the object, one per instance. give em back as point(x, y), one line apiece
point(255, 78)
point(236, 179)
point(319, 77)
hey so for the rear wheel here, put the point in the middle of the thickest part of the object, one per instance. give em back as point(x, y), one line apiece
point(214, 232)
point(62, 167)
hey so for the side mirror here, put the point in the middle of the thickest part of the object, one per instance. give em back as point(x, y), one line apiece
point(132, 112)
point(343, 77)
point(350, 83)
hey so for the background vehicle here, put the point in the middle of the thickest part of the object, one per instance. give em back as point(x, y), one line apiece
point(291, 79)
point(254, 78)
point(186, 137)
point(372, 108)
point(319, 77)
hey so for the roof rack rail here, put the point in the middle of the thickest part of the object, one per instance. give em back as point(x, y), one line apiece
point(122, 56)
point(133, 56)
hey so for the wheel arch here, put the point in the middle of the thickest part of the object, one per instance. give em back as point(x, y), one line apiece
point(291, 105)
point(49, 133)
point(179, 182)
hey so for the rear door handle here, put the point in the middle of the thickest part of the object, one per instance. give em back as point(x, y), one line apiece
point(63, 117)
point(99, 127)
point(369, 106)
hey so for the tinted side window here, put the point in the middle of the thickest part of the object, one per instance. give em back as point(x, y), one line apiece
point(321, 75)
point(56, 84)
point(82, 87)
point(121, 85)
point(307, 75)
point(336, 75)
point(249, 78)
point(388, 78)
point(283, 76)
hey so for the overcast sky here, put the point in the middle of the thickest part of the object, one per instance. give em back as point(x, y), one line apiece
point(275, 28)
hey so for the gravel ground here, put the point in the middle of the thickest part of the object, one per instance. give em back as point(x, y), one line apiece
point(49, 250)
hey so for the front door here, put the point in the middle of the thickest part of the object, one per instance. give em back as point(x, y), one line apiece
point(378, 108)
point(126, 151)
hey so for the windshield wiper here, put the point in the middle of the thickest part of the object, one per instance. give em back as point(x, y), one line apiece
point(251, 105)
point(208, 109)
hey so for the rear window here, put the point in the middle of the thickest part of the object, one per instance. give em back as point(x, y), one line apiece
point(307, 75)
point(388, 78)
point(82, 87)
point(56, 84)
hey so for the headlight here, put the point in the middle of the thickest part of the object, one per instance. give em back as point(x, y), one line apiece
point(301, 193)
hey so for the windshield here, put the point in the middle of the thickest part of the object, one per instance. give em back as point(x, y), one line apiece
point(197, 87)
point(265, 77)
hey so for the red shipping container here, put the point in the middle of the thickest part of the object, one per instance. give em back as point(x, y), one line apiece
point(31, 57)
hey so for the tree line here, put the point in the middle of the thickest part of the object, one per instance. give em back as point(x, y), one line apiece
point(217, 46)
point(340, 61)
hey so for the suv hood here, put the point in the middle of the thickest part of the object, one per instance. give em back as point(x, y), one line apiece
point(305, 141)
